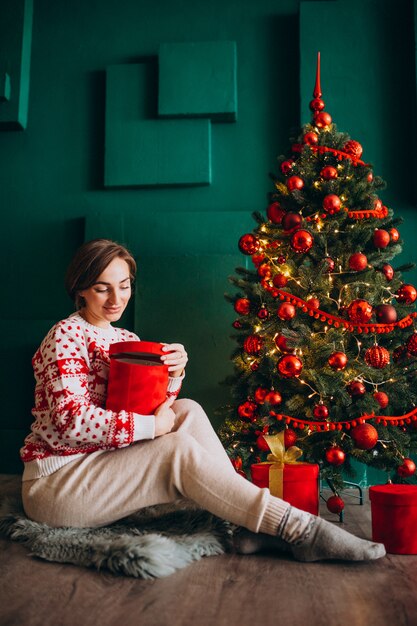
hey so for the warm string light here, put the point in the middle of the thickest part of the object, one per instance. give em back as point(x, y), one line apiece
point(303, 382)
point(375, 385)
point(347, 285)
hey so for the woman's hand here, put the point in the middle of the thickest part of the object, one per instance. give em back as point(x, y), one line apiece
point(176, 359)
point(164, 418)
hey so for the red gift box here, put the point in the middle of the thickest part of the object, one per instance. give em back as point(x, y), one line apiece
point(300, 485)
point(394, 517)
point(138, 379)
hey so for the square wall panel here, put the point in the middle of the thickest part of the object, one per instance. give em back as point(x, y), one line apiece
point(140, 151)
point(198, 80)
point(16, 40)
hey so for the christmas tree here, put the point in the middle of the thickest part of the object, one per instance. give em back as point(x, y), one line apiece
point(326, 349)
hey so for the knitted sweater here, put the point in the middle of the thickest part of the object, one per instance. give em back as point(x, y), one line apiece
point(71, 370)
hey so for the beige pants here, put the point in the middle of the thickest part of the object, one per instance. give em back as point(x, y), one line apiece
point(190, 462)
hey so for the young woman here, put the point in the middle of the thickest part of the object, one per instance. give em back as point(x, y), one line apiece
point(88, 466)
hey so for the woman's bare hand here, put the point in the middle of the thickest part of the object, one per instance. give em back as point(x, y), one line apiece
point(176, 358)
point(164, 418)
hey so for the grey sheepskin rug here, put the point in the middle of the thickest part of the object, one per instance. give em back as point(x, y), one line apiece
point(155, 542)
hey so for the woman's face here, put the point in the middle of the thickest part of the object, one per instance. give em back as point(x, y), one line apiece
point(106, 300)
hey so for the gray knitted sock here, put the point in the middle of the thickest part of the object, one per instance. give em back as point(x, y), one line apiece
point(313, 539)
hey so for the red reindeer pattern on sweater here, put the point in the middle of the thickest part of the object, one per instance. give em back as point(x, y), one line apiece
point(71, 370)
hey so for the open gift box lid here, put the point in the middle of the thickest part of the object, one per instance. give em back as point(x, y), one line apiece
point(137, 352)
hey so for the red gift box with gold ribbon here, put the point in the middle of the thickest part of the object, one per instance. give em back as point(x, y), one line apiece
point(289, 479)
point(138, 379)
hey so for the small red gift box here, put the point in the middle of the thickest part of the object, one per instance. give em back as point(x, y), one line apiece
point(138, 379)
point(394, 517)
point(299, 487)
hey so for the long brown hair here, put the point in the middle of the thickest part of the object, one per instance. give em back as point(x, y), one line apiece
point(90, 260)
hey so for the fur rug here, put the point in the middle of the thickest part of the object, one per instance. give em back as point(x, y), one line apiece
point(154, 543)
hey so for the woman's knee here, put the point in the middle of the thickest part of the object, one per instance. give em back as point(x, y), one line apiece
point(186, 405)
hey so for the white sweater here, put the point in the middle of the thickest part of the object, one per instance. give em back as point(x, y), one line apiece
point(71, 369)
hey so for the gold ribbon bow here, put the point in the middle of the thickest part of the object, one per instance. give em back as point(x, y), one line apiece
point(278, 457)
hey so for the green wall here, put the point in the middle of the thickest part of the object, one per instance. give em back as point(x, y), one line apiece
point(184, 232)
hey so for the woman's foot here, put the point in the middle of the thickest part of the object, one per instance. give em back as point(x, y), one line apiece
point(312, 538)
point(308, 538)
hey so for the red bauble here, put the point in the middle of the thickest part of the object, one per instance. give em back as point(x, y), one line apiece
point(263, 313)
point(281, 343)
point(322, 119)
point(290, 438)
point(257, 259)
point(353, 148)
point(314, 302)
point(356, 388)
point(291, 221)
point(335, 504)
point(335, 456)
point(280, 280)
point(246, 410)
point(359, 311)
point(370, 177)
point(399, 354)
point(242, 306)
point(330, 264)
point(249, 244)
point(381, 238)
point(264, 270)
point(281, 259)
point(407, 468)
point(301, 241)
point(254, 366)
point(358, 262)
point(365, 436)
point(388, 271)
point(253, 344)
point(331, 203)
point(394, 234)
point(386, 314)
point(328, 172)
point(286, 166)
point(412, 344)
point(286, 311)
point(320, 411)
point(295, 182)
point(289, 366)
point(406, 294)
point(338, 360)
point(273, 397)
point(260, 394)
point(261, 444)
point(236, 324)
point(382, 399)
point(377, 357)
point(311, 139)
point(317, 104)
point(275, 212)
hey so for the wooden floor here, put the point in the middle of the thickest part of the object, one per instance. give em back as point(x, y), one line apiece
point(259, 590)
